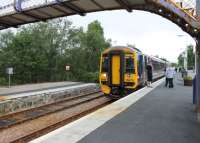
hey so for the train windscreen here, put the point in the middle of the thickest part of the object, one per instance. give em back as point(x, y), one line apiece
point(105, 64)
point(130, 65)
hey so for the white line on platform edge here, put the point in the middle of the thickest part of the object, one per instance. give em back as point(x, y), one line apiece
point(77, 130)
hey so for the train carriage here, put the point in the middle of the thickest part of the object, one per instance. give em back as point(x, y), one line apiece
point(123, 69)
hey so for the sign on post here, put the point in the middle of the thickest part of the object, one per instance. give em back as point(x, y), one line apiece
point(67, 68)
point(10, 72)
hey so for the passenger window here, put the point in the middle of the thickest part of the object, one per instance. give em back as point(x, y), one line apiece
point(105, 64)
point(130, 65)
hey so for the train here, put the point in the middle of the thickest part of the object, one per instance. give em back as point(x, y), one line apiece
point(123, 70)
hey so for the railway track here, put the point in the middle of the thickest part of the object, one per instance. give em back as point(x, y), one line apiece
point(26, 125)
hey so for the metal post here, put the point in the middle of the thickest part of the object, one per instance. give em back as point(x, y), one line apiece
point(195, 64)
point(198, 77)
point(186, 55)
point(8, 80)
point(198, 62)
point(198, 9)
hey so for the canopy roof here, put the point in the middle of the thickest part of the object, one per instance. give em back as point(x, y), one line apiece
point(28, 11)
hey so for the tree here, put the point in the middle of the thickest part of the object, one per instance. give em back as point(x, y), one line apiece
point(174, 64)
point(190, 57)
point(92, 43)
point(5, 39)
point(39, 52)
point(181, 60)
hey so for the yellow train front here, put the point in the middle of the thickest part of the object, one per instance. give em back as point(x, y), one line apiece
point(123, 70)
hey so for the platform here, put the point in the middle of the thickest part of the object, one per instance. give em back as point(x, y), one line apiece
point(151, 115)
point(13, 90)
point(31, 96)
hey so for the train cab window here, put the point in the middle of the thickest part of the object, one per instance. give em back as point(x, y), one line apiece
point(130, 65)
point(105, 64)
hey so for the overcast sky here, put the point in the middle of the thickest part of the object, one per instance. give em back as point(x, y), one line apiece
point(150, 33)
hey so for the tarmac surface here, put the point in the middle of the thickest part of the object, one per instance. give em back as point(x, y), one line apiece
point(162, 116)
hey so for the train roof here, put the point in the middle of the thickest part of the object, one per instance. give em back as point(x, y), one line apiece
point(122, 48)
point(131, 49)
point(156, 59)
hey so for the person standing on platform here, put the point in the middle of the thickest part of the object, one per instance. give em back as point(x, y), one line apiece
point(149, 75)
point(170, 74)
point(166, 77)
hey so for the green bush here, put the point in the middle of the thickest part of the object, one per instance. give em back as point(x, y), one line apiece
point(90, 77)
point(188, 78)
point(3, 81)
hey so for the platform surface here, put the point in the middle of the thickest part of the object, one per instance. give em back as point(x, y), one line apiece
point(159, 115)
point(163, 116)
point(40, 90)
point(5, 91)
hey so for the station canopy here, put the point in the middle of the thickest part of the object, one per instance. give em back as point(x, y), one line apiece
point(18, 12)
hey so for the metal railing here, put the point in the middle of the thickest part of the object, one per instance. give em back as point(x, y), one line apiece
point(187, 9)
point(187, 5)
point(6, 6)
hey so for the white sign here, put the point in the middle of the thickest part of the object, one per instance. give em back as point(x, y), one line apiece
point(9, 70)
point(67, 68)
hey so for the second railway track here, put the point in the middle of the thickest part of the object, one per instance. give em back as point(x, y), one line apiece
point(29, 124)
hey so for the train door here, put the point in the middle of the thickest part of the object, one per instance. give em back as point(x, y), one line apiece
point(115, 69)
point(141, 68)
point(145, 65)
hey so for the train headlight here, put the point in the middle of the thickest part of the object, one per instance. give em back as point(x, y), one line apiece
point(103, 76)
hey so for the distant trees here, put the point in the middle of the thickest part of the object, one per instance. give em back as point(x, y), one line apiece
point(40, 52)
point(85, 58)
point(181, 60)
point(190, 57)
point(174, 64)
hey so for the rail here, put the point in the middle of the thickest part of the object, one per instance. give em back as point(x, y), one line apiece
point(38, 121)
